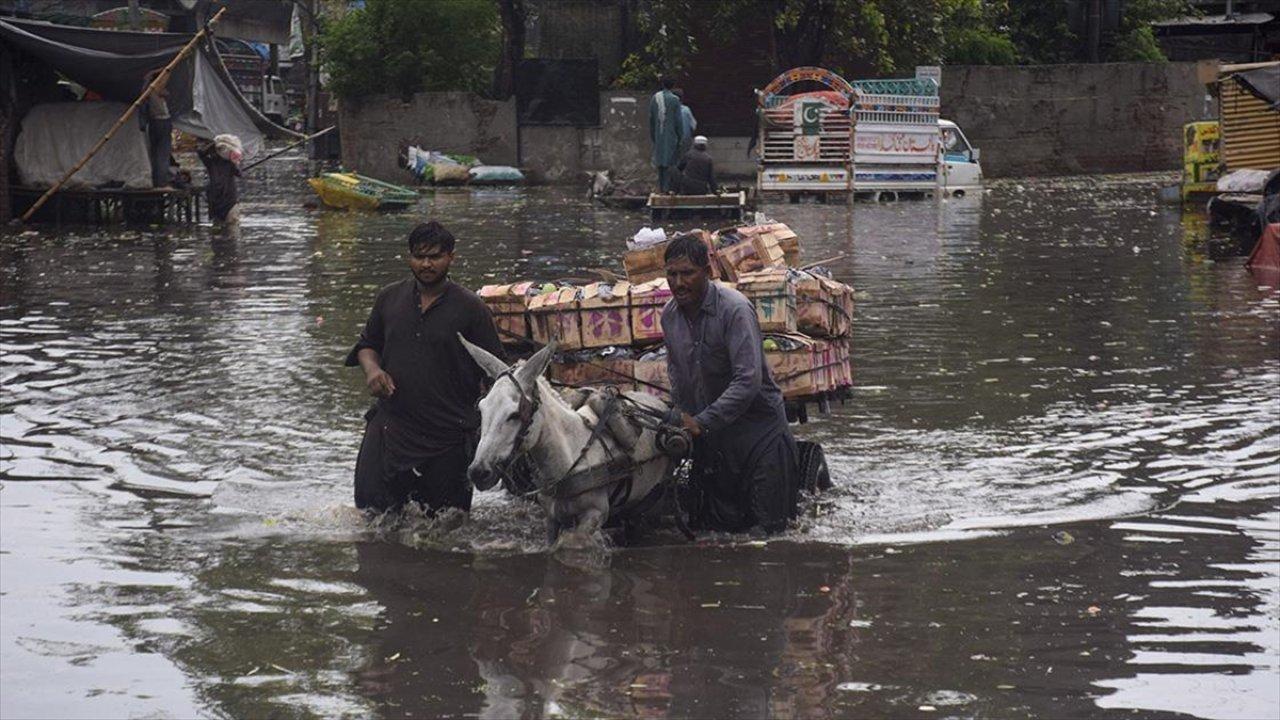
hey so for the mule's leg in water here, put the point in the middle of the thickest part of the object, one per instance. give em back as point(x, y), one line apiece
point(586, 532)
point(552, 524)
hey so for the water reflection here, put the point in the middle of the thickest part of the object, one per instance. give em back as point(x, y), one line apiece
point(1093, 620)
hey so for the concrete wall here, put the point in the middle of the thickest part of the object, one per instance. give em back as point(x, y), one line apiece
point(621, 143)
point(1036, 120)
point(376, 130)
point(1068, 119)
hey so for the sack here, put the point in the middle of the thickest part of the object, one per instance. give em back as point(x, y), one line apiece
point(229, 148)
point(495, 174)
point(453, 174)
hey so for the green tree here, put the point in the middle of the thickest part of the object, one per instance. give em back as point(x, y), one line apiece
point(973, 35)
point(401, 47)
point(666, 27)
point(1136, 41)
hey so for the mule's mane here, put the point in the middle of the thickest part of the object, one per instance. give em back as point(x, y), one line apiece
point(549, 394)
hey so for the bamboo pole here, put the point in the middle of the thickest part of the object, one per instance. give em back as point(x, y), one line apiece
point(285, 149)
point(161, 78)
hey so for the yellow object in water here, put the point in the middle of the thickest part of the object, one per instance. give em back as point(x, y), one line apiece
point(1201, 157)
point(350, 191)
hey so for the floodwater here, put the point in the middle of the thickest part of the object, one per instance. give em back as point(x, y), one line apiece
point(1058, 482)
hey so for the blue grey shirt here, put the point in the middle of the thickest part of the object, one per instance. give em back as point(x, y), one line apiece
point(715, 361)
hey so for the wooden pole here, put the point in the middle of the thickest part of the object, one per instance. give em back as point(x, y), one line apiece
point(161, 78)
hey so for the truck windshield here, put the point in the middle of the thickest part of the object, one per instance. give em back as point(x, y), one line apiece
point(954, 145)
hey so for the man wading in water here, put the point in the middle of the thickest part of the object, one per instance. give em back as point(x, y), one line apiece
point(420, 435)
point(745, 460)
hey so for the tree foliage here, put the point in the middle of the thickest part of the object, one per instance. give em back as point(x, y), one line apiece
point(887, 36)
point(401, 47)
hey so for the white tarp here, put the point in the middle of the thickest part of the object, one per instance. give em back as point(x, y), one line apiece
point(55, 136)
point(216, 111)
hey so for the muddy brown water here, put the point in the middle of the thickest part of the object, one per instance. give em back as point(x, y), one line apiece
point(1058, 482)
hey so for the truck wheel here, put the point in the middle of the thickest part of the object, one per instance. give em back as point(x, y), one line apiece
point(815, 476)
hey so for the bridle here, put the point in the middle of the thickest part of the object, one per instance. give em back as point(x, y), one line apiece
point(671, 439)
point(526, 411)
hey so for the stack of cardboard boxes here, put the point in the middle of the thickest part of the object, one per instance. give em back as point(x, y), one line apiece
point(610, 333)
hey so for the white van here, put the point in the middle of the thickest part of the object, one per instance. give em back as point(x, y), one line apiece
point(961, 171)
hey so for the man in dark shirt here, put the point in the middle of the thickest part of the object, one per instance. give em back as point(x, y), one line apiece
point(420, 435)
point(222, 193)
point(697, 172)
point(745, 459)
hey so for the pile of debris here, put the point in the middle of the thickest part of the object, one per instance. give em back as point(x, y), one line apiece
point(432, 167)
point(610, 333)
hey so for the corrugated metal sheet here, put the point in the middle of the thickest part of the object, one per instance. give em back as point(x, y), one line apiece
point(1250, 129)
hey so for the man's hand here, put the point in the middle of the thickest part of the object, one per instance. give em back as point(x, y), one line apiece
point(380, 383)
point(691, 425)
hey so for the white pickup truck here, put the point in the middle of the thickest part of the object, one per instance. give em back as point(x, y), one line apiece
point(878, 137)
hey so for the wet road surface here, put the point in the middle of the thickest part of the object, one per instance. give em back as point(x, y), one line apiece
point(1058, 482)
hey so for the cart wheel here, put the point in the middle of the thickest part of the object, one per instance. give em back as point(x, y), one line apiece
point(814, 474)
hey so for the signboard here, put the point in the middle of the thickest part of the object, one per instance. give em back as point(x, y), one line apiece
point(930, 72)
point(897, 143)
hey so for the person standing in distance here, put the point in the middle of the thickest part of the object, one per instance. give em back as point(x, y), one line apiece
point(420, 434)
point(666, 126)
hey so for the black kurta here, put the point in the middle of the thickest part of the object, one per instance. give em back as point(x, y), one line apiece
point(222, 192)
point(433, 409)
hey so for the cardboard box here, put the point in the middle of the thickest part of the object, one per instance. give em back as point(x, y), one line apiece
point(606, 314)
point(773, 294)
point(792, 369)
point(787, 240)
point(757, 250)
point(824, 307)
point(647, 301)
point(595, 372)
point(510, 307)
point(555, 316)
point(832, 368)
point(646, 264)
point(649, 373)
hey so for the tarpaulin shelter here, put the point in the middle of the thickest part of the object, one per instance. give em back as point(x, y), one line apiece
point(203, 99)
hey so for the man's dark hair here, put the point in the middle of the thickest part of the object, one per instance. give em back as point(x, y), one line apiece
point(431, 234)
point(690, 246)
point(668, 82)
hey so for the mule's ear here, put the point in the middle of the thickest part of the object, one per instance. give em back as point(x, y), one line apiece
point(492, 366)
point(535, 366)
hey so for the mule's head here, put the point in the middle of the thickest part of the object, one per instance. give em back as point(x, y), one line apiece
point(509, 414)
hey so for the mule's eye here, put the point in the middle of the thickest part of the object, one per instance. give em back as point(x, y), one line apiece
point(514, 417)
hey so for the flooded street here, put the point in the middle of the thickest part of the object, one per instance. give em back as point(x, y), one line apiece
point(1057, 483)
